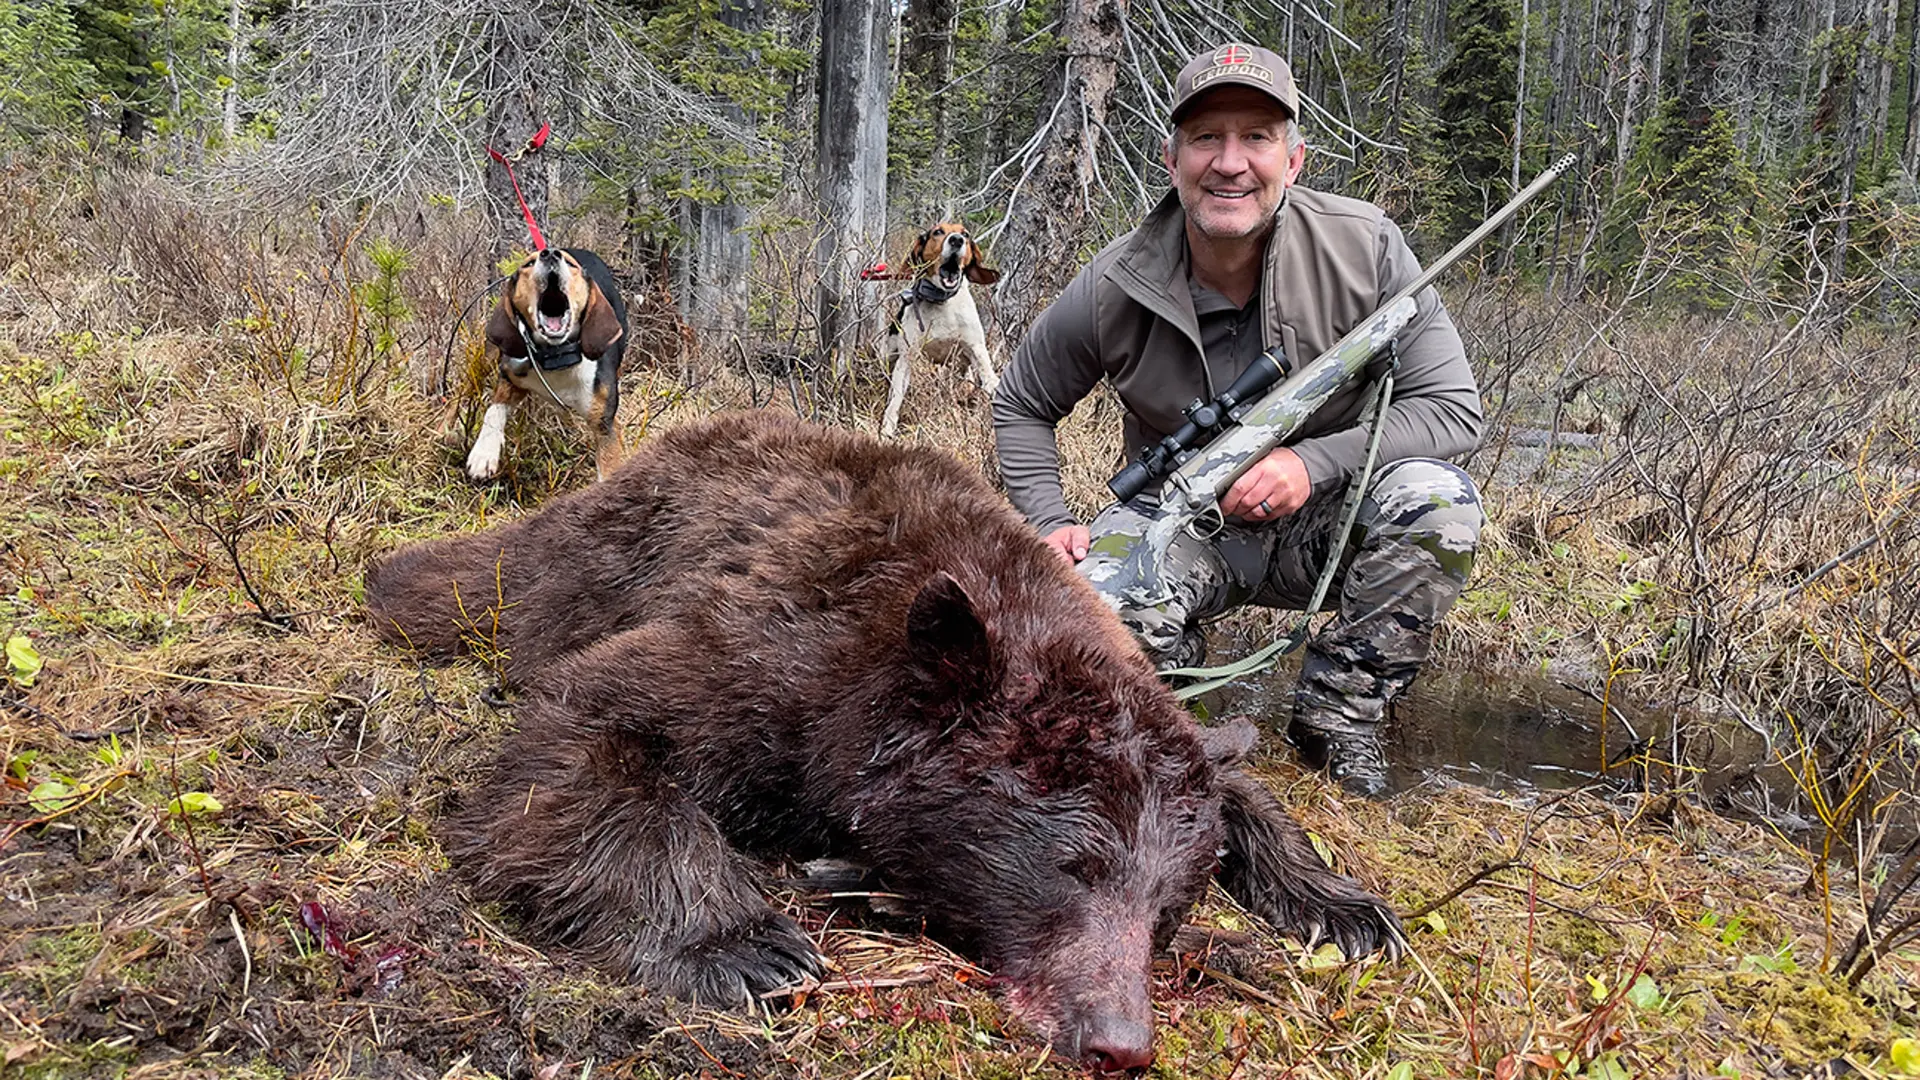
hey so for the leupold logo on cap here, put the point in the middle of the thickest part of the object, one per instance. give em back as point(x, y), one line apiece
point(1235, 59)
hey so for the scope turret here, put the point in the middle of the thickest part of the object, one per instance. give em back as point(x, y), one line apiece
point(1204, 420)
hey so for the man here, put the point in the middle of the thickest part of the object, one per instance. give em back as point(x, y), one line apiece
point(1236, 260)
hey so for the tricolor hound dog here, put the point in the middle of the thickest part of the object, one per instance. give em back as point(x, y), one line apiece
point(936, 313)
point(561, 328)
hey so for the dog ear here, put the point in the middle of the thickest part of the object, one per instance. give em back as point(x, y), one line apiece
point(503, 326)
point(977, 271)
point(915, 254)
point(599, 327)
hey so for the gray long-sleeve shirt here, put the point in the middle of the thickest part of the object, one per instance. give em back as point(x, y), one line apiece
point(1129, 318)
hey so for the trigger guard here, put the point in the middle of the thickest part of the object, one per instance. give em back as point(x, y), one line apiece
point(1212, 519)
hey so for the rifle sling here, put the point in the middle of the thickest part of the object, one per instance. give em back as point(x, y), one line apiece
point(1213, 678)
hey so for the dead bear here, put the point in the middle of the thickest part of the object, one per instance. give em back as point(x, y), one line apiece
point(762, 639)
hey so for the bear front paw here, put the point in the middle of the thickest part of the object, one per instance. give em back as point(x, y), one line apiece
point(742, 968)
point(1357, 921)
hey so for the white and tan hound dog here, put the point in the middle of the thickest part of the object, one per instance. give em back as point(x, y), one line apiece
point(937, 314)
point(561, 329)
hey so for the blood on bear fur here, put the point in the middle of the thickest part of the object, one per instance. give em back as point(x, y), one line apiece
point(763, 639)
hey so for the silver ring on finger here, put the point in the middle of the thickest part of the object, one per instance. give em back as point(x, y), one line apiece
point(1264, 508)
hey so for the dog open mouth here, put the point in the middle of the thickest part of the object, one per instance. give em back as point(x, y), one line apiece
point(554, 311)
point(950, 270)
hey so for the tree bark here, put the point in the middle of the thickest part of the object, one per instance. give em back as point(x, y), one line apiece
point(1519, 130)
point(1520, 93)
point(933, 24)
point(1910, 150)
point(1395, 54)
point(1636, 78)
point(1845, 108)
point(513, 119)
point(1040, 249)
point(1886, 16)
point(230, 104)
point(851, 125)
point(722, 252)
point(873, 129)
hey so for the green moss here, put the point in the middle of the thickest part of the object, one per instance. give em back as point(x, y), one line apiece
point(59, 959)
point(1574, 939)
point(94, 1061)
point(1171, 1057)
point(1807, 1018)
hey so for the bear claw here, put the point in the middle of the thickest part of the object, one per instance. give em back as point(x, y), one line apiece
point(773, 955)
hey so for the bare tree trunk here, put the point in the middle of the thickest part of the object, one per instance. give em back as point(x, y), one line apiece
point(1520, 93)
point(1886, 17)
point(1657, 65)
point(230, 106)
point(1049, 217)
point(1910, 151)
point(1562, 103)
point(1396, 67)
point(1636, 78)
point(873, 129)
point(1826, 17)
point(1845, 102)
point(1748, 90)
point(933, 24)
point(722, 253)
point(1519, 130)
point(1555, 112)
point(852, 118)
point(1602, 35)
point(513, 119)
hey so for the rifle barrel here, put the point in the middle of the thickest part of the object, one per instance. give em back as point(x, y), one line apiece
point(1500, 217)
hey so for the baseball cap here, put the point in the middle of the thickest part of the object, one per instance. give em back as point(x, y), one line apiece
point(1236, 64)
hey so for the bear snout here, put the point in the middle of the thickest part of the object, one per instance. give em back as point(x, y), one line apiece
point(1090, 998)
point(1111, 1042)
point(1106, 1027)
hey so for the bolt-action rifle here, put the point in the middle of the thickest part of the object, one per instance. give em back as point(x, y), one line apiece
point(1266, 405)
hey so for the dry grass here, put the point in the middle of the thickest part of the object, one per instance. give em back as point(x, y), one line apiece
point(185, 514)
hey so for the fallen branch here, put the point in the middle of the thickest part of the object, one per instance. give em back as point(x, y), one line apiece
point(1473, 879)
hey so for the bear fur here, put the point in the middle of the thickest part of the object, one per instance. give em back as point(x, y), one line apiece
point(762, 639)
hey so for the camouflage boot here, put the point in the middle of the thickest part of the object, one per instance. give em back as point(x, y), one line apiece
point(1414, 543)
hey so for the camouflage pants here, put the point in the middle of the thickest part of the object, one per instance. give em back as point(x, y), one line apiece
point(1405, 563)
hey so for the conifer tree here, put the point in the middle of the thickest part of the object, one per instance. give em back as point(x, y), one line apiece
point(1475, 112)
point(46, 85)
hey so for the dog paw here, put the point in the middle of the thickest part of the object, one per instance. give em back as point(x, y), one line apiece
point(483, 462)
point(772, 954)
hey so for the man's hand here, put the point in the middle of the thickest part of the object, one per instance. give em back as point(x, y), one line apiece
point(1276, 486)
point(1070, 541)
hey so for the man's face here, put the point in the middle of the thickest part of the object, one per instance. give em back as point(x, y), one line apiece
point(1229, 161)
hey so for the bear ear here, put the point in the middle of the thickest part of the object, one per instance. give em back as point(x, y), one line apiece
point(945, 635)
point(1230, 742)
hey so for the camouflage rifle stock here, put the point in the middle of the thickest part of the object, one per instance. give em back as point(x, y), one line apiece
point(1197, 478)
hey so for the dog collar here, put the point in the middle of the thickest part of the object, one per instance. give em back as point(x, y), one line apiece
point(928, 290)
point(548, 357)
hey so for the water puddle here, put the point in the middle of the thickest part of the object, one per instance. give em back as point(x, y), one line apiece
point(1519, 731)
point(1490, 731)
